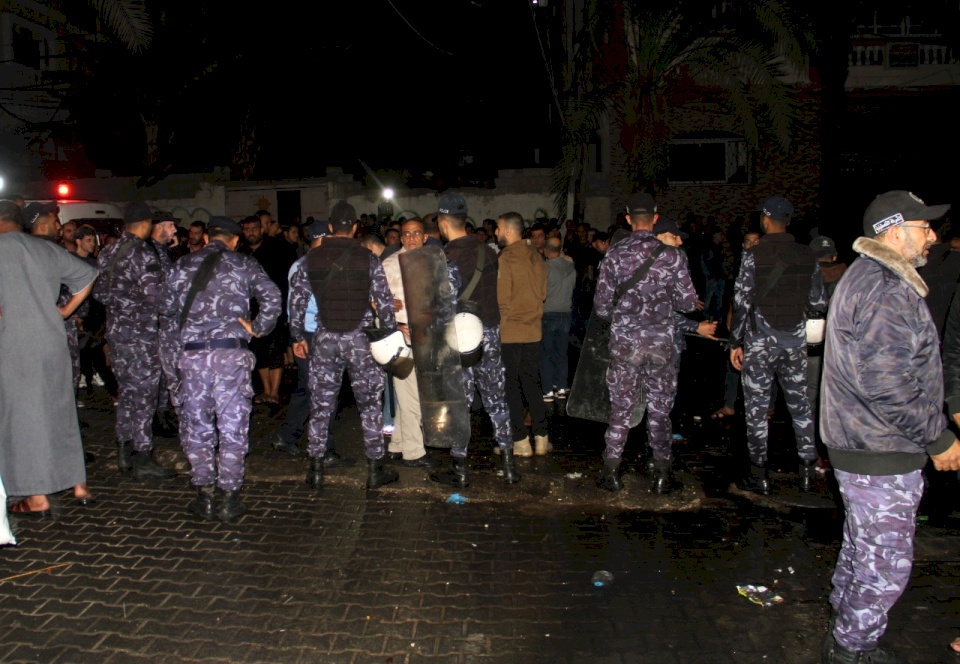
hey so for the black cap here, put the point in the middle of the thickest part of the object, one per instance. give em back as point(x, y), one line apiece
point(452, 203)
point(225, 224)
point(136, 212)
point(343, 212)
point(641, 203)
point(665, 225)
point(36, 210)
point(823, 246)
point(898, 207)
point(164, 216)
point(316, 229)
point(778, 208)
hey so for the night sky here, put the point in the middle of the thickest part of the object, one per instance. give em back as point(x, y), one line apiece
point(404, 84)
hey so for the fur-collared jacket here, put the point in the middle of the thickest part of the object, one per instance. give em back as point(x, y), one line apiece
point(881, 411)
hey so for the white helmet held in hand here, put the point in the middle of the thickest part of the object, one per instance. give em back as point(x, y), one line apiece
point(391, 351)
point(466, 336)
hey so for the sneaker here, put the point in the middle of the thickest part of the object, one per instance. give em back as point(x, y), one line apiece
point(388, 429)
point(563, 394)
point(97, 380)
point(522, 448)
point(549, 397)
point(81, 404)
point(83, 383)
point(542, 445)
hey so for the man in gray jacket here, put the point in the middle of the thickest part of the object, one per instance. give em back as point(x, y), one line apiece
point(881, 418)
point(561, 278)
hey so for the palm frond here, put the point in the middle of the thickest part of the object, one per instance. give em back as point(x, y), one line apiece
point(128, 19)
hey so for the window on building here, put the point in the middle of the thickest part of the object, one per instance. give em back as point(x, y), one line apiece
point(709, 159)
point(26, 47)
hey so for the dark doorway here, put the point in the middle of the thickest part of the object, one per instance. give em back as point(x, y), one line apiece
point(288, 206)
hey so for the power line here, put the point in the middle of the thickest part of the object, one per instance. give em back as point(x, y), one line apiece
point(418, 33)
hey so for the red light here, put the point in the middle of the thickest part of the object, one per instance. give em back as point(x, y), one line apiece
point(63, 190)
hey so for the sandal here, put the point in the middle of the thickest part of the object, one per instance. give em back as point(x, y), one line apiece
point(22, 508)
point(722, 413)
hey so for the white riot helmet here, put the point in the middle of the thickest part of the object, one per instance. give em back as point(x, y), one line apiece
point(390, 350)
point(466, 335)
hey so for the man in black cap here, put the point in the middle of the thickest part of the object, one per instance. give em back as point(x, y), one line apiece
point(345, 278)
point(779, 282)
point(489, 376)
point(275, 256)
point(129, 287)
point(207, 364)
point(641, 284)
point(882, 418)
point(298, 410)
point(163, 233)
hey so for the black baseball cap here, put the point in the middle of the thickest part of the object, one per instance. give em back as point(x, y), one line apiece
point(342, 213)
point(316, 229)
point(778, 208)
point(136, 212)
point(895, 208)
point(665, 225)
point(452, 203)
point(641, 203)
point(225, 224)
point(36, 210)
point(823, 246)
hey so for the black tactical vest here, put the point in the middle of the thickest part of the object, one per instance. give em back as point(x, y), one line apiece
point(343, 297)
point(782, 305)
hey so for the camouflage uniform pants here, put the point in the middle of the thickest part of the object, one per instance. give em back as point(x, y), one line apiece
point(215, 396)
point(876, 557)
point(760, 363)
point(136, 366)
point(489, 378)
point(640, 371)
point(330, 354)
point(73, 343)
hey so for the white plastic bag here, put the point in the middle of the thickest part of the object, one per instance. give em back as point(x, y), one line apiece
point(6, 535)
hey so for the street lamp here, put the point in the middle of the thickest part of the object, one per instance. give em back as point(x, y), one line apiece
point(388, 194)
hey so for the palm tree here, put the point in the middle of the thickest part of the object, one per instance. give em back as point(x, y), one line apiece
point(637, 63)
point(128, 19)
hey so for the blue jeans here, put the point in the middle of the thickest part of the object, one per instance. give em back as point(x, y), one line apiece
point(554, 365)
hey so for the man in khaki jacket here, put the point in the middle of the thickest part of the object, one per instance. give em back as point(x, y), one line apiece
point(521, 290)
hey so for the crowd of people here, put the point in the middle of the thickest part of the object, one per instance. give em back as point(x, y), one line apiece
point(179, 324)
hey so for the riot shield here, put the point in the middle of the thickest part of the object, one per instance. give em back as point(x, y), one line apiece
point(589, 397)
point(430, 302)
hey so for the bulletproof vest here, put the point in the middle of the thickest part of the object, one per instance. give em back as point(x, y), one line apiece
point(339, 274)
point(783, 305)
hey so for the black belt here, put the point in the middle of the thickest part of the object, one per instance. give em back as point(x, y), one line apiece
point(215, 344)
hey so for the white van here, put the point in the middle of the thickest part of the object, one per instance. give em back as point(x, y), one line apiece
point(107, 218)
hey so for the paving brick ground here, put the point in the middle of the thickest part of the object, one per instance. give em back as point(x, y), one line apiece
point(399, 575)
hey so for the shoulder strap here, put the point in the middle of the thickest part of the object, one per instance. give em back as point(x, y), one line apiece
point(122, 251)
point(200, 281)
point(639, 274)
point(481, 259)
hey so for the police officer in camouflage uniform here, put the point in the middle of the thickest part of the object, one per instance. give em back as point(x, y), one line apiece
point(132, 277)
point(642, 350)
point(779, 282)
point(881, 418)
point(346, 279)
point(488, 376)
point(164, 229)
point(207, 364)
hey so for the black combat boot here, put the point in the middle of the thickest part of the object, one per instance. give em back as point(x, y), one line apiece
point(808, 473)
point(758, 481)
point(145, 468)
point(315, 474)
point(840, 655)
point(510, 474)
point(456, 474)
point(377, 476)
point(202, 505)
point(663, 481)
point(124, 450)
point(231, 507)
point(610, 476)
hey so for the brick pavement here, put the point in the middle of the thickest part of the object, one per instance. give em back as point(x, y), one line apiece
point(398, 575)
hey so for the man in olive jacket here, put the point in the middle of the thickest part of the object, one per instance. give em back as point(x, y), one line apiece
point(521, 290)
point(881, 418)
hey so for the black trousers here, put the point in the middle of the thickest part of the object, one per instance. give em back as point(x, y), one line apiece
point(522, 365)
